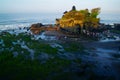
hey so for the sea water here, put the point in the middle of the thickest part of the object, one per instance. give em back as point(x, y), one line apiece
point(109, 18)
point(13, 21)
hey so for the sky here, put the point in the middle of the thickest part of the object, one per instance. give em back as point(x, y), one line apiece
point(56, 6)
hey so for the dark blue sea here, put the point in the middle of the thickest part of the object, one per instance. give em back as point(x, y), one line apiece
point(12, 20)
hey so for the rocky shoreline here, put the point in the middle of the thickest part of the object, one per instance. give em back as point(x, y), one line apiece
point(103, 33)
point(71, 56)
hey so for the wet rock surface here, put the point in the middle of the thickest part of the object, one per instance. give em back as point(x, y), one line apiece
point(98, 60)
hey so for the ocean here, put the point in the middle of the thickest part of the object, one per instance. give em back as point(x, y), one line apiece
point(13, 21)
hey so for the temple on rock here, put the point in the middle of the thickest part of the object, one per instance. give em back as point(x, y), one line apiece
point(79, 19)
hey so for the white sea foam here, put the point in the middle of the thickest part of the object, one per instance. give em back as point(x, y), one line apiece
point(44, 37)
point(116, 38)
point(13, 26)
point(13, 21)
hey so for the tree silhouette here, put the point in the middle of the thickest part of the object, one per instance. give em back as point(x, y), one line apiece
point(73, 8)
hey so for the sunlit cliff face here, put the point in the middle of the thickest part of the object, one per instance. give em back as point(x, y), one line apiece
point(79, 17)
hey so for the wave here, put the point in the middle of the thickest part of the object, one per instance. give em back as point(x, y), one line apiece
point(13, 26)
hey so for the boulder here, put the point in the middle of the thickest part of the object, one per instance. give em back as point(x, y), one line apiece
point(117, 26)
point(37, 25)
point(38, 28)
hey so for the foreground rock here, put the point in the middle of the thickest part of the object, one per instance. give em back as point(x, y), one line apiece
point(37, 28)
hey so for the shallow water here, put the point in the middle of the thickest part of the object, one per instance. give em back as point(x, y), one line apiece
point(104, 52)
point(115, 38)
point(109, 40)
point(44, 37)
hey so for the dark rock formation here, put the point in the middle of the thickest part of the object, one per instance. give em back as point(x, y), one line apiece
point(37, 28)
point(37, 25)
point(117, 26)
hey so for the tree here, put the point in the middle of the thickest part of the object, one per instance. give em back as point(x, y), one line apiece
point(95, 12)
